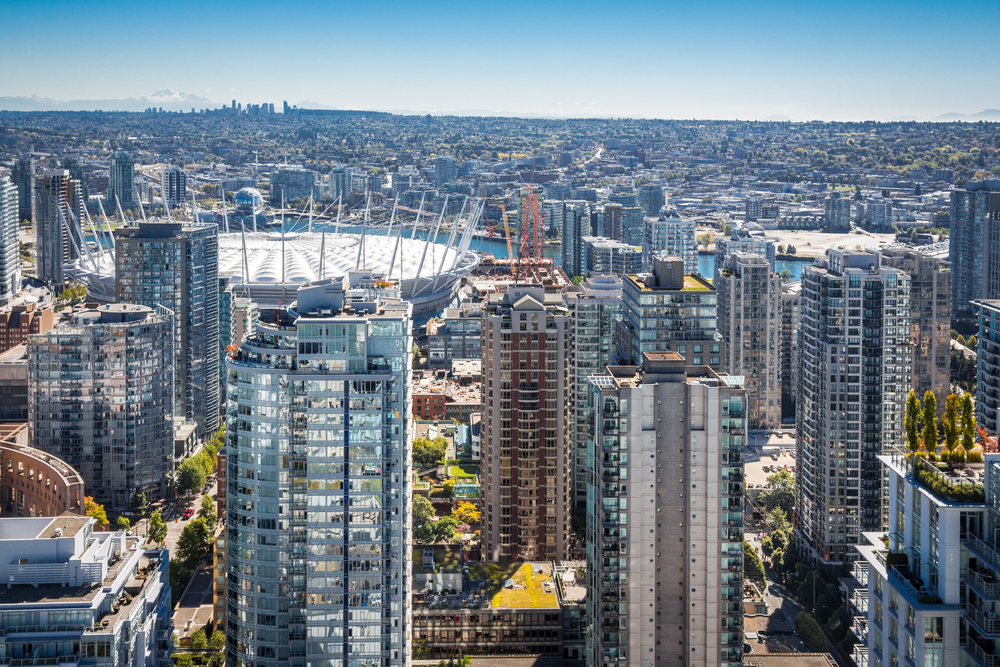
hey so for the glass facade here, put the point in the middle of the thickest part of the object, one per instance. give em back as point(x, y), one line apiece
point(318, 488)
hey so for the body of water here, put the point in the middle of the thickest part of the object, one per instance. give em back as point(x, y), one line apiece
point(706, 266)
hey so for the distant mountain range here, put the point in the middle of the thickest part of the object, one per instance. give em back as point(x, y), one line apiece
point(169, 99)
point(985, 114)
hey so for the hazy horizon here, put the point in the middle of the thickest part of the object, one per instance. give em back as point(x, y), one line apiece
point(750, 61)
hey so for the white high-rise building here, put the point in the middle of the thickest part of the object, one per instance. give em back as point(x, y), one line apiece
point(670, 234)
point(855, 370)
point(57, 198)
point(749, 317)
point(10, 259)
point(173, 186)
point(318, 444)
point(665, 516)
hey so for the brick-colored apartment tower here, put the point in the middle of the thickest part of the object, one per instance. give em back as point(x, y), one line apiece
point(527, 488)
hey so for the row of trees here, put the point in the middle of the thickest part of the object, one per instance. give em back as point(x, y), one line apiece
point(957, 435)
point(195, 470)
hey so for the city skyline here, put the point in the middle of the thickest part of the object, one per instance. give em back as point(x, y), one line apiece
point(760, 61)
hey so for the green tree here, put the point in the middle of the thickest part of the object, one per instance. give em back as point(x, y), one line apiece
point(207, 511)
point(199, 642)
point(930, 432)
point(951, 424)
point(752, 566)
point(141, 504)
point(190, 476)
point(423, 512)
point(183, 660)
point(911, 421)
point(433, 532)
point(94, 510)
point(194, 543)
point(157, 532)
point(777, 522)
point(416, 356)
point(428, 452)
point(123, 523)
point(448, 488)
point(781, 493)
point(968, 423)
point(217, 641)
point(810, 632)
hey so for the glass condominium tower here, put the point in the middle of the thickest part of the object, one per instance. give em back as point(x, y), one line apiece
point(318, 445)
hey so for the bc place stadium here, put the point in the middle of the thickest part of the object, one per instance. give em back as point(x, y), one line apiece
point(269, 266)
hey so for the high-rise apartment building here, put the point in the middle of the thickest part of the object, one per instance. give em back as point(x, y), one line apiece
point(23, 176)
point(173, 186)
point(318, 448)
point(668, 310)
point(988, 365)
point(632, 225)
point(100, 399)
point(288, 183)
point(57, 198)
point(340, 178)
point(878, 212)
point(594, 311)
point(752, 207)
point(974, 243)
point(624, 195)
point(610, 221)
point(176, 265)
point(665, 516)
point(605, 256)
point(75, 169)
point(928, 594)
point(930, 319)
point(10, 258)
point(854, 377)
point(572, 219)
point(670, 234)
point(837, 209)
point(121, 179)
point(743, 239)
point(790, 294)
point(651, 199)
point(749, 308)
point(526, 427)
point(444, 170)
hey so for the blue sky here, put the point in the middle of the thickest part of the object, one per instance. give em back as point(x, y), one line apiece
point(805, 60)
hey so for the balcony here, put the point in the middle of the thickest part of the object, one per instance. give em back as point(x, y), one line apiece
point(860, 628)
point(985, 584)
point(859, 598)
point(860, 571)
point(984, 624)
point(982, 652)
point(983, 550)
point(860, 655)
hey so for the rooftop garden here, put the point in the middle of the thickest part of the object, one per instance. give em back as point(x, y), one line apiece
point(528, 591)
point(941, 462)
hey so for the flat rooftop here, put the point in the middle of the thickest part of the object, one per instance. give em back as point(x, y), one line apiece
point(519, 585)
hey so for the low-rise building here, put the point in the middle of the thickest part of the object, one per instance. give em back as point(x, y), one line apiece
point(28, 314)
point(78, 597)
point(504, 610)
point(33, 483)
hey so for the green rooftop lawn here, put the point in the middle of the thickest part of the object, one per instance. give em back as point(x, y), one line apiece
point(446, 559)
point(468, 470)
point(531, 596)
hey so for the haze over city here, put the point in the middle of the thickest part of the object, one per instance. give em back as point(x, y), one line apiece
point(725, 60)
